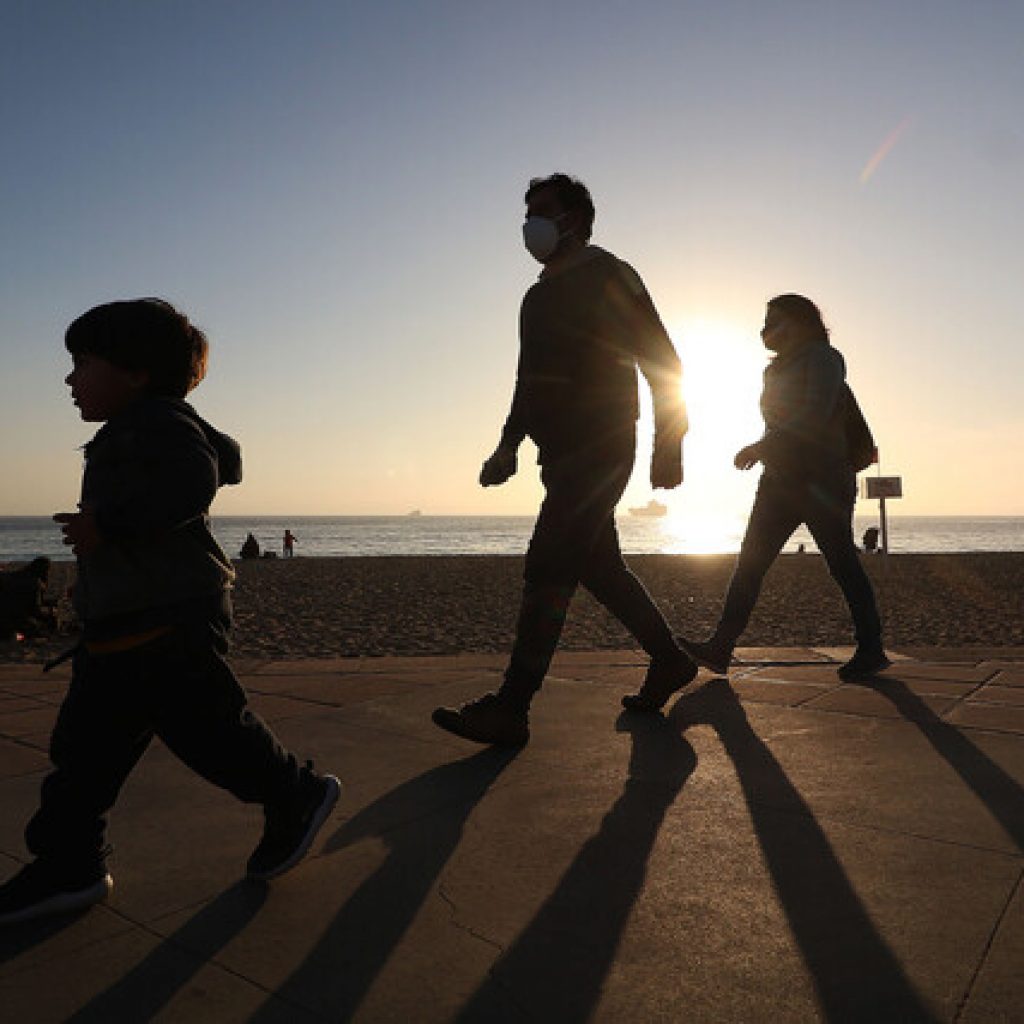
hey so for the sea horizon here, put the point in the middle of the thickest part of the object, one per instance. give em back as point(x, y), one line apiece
point(23, 537)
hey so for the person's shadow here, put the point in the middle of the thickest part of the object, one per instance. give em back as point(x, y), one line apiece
point(153, 982)
point(856, 975)
point(556, 968)
point(995, 788)
point(421, 834)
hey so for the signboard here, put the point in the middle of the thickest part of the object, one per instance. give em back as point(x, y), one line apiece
point(883, 487)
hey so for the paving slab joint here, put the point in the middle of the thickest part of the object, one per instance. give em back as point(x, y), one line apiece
point(989, 942)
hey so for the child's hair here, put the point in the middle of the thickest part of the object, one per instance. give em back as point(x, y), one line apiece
point(144, 334)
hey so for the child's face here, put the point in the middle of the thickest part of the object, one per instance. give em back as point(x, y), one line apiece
point(102, 390)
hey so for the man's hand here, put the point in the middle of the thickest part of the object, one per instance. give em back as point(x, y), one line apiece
point(748, 457)
point(499, 467)
point(667, 467)
point(79, 529)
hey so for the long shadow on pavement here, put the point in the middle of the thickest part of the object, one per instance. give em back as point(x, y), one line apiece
point(556, 967)
point(17, 940)
point(856, 975)
point(421, 833)
point(994, 787)
point(152, 984)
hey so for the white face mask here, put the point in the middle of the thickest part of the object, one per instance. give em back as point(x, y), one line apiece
point(541, 237)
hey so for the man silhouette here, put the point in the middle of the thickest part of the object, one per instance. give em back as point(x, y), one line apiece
point(585, 327)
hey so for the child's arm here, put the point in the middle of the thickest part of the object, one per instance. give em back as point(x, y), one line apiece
point(79, 529)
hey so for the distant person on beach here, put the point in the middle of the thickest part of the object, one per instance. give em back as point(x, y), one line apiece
point(585, 327)
point(871, 539)
point(250, 547)
point(288, 544)
point(24, 605)
point(152, 594)
point(808, 478)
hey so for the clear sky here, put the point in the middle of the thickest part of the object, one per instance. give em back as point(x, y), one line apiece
point(334, 192)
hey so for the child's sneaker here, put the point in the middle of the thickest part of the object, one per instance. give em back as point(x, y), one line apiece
point(489, 719)
point(289, 831)
point(39, 890)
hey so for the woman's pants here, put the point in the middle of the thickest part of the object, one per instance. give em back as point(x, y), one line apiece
point(780, 506)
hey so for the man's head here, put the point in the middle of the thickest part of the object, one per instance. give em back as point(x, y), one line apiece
point(124, 350)
point(558, 210)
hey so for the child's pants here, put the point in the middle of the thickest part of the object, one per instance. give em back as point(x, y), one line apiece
point(179, 688)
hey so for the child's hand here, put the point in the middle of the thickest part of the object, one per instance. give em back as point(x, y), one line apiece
point(79, 529)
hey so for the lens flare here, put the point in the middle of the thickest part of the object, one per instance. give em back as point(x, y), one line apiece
point(883, 150)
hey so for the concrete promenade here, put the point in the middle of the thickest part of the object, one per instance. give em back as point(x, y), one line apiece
point(776, 847)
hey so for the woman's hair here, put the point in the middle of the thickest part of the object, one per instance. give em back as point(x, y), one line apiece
point(144, 334)
point(803, 312)
point(572, 195)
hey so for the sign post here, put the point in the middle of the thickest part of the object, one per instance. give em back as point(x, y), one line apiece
point(882, 487)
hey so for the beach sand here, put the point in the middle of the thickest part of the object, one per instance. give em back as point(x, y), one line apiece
point(348, 607)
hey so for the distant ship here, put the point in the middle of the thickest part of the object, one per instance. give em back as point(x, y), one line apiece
point(652, 508)
point(414, 512)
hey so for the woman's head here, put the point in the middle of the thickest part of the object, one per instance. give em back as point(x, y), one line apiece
point(792, 321)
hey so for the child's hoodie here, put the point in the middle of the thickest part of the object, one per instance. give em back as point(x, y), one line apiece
point(151, 473)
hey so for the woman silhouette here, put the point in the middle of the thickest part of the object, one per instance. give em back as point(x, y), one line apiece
point(808, 478)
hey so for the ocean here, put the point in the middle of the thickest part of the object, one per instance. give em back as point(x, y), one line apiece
point(24, 537)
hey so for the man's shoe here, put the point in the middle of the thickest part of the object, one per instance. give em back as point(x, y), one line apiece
point(866, 661)
point(289, 830)
point(711, 654)
point(490, 719)
point(40, 890)
point(664, 677)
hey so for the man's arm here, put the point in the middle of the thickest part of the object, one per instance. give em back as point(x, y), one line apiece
point(659, 363)
point(503, 461)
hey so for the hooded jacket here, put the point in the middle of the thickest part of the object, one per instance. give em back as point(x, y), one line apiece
point(151, 473)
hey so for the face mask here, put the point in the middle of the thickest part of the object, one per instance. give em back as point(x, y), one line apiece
point(541, 237)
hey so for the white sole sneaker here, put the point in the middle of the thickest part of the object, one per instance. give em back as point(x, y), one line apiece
point(320, 815)
point(62, 903)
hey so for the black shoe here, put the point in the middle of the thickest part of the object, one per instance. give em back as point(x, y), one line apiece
point(664, 677)
point(40, 889)
point(490, 719)
point(290, 830)
point(711, 654)
point(866, 661)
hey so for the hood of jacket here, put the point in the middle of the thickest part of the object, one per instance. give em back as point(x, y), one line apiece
point(153, 410)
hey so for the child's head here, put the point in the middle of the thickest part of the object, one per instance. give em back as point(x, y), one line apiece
point(147, 338)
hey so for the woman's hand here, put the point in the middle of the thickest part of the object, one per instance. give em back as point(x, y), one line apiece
point(748, 457)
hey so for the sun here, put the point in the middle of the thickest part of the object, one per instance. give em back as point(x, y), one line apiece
point(722, 366)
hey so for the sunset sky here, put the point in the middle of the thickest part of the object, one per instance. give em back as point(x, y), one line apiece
point(333, 191)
